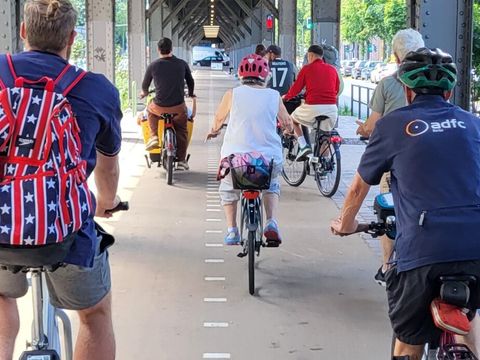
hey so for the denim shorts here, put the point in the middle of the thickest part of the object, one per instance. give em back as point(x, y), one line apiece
point(70, 287)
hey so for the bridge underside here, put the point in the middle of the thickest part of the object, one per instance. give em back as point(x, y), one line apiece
point(443, 23)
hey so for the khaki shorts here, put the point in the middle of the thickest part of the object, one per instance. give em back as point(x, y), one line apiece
point(305, 114)
point(385, 183)
point(71, 287)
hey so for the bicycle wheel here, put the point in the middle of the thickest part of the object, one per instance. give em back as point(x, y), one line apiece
point(251, 262)
point(169, 154)
point(328, 169)
point(294, 172)
point(169, 169)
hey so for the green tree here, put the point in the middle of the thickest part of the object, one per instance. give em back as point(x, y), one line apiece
point(304, 35)
point(395, 19)
point(80, 6)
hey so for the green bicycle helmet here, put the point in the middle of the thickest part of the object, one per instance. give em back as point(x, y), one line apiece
point(428, 71)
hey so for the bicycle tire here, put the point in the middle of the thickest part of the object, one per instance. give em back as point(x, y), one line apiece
point(334, 162)
point(251, 262)
point(169, 169)
point(293, 172)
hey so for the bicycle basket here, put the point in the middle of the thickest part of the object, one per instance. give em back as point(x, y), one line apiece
point(250, 171)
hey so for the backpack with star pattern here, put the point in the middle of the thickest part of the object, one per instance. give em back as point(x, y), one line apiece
point(44, 197)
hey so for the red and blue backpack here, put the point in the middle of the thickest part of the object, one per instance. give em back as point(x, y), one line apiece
point(44, 196)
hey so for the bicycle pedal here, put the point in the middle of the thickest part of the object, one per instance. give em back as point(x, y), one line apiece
point(40, 355)
point(241, 255)
point(273, 244)
point(314, 160)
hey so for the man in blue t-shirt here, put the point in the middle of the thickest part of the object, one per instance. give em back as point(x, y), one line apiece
point(84, 284)
point(282, 71)
point(432, 149)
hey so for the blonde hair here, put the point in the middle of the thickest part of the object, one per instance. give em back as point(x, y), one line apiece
point(49, 24)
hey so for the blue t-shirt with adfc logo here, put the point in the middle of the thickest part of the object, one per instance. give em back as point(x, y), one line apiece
point(96, 104)
point(432, 149)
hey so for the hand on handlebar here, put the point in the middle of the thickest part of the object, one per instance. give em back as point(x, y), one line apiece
point(213, 134)
point(142, 95)
point(107, 209)
point(338, 228)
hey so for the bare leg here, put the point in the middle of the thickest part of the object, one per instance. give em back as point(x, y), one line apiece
point(270, 201)
point(387, 249)
point(96, 340)
point(297, 128)
point(472, 340)
point(9, 327)
point(231, 214)
point(414, 351)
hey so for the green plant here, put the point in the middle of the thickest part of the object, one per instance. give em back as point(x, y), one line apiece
point(344, 110)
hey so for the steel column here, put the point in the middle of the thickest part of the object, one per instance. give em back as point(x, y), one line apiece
point(448, 24)
point(288, 29)
point(326, 22)
point(136, 42)
point(8, 26)
point(100, 42)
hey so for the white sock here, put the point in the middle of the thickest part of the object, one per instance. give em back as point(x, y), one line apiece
point(302, 142)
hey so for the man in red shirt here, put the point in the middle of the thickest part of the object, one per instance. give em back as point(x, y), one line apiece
point(322, 86)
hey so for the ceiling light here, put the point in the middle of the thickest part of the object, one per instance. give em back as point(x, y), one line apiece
point(211, 31)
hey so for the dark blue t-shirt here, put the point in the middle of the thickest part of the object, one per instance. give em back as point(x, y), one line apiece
point(96, 104)
point(432, 149)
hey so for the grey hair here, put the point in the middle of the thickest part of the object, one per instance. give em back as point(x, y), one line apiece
point(405, 41)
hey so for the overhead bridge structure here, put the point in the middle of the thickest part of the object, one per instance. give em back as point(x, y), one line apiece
point(242, 24)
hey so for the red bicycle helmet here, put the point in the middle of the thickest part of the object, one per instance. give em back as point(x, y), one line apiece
point(253, 66)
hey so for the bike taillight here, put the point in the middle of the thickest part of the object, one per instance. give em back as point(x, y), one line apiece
point(251, 194)
point(336, 139)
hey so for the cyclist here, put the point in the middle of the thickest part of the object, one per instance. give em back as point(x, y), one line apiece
point(322, 86)
point(282, 71)
point(389, 96)
point(169, 74)
point(48, 32)
point(260, 50)
point(431, 148)
point(252, 127)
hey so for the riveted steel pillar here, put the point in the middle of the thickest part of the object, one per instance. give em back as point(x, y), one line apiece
point(136, 41)
point(448, 24)
point(288, 29)
point(267, 35)
point(100, 43)
point(326, 22)
point(8, 26)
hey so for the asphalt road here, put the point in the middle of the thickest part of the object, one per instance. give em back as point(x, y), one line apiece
point(179, 294)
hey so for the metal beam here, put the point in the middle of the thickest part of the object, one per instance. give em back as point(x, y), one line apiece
point(326, 22)
point(153, 6)
point(175, 12)
point(223, 3)
point(191, 26)
point(199, 24)
point(137, 46)
point(186, 17)
point(231, 26)
point(448, 24)
point(270, 7)
point(192, 34)
point(247, 10)
point(225, 25)
point(226, 37)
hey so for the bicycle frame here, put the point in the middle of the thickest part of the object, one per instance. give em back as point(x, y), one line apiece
point(170, 141)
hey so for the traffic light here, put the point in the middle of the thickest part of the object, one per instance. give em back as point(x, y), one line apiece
point(309, 24)
point(269, 22)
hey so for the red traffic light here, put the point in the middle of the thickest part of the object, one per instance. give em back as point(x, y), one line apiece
point(269, 22)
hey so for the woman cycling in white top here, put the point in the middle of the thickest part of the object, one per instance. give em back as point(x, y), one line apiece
point(252, 127)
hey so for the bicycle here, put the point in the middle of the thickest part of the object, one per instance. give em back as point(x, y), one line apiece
point(46, 342)
point(325, 163)
point(251, 217)
point(455, 289)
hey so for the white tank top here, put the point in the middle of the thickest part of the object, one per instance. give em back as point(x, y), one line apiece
point(253, 123)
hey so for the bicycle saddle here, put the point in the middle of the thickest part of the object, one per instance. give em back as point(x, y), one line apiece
point(168, 115)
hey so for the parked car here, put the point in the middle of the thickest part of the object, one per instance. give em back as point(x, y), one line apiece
point(375, 73)
point(208, 61)
point(389, 69)
point(357, 68)
point(346, 69)
point(369, 66)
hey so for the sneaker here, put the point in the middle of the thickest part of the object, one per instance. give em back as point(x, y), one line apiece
point(303, 153)
point(182, 165)
point(152, 143)
point(449, 317)
point(272, 234)
point(232, 238)
point(380, 277)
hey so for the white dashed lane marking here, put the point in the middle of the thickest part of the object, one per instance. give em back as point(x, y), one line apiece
point(215, 324)
point(216, 356)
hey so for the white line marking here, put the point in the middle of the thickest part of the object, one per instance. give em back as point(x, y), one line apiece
point(215, 300)
point(213, 220)
point(214, 210)
point(215, 278)
point(215, 324)
point(214, 245)
point(212, 192)
point(214, 261)
point(213, 205)
point(213, 231)
point(216, 356)
point(213, 201)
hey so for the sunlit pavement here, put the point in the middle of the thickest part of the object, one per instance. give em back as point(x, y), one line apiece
point(180, 294)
